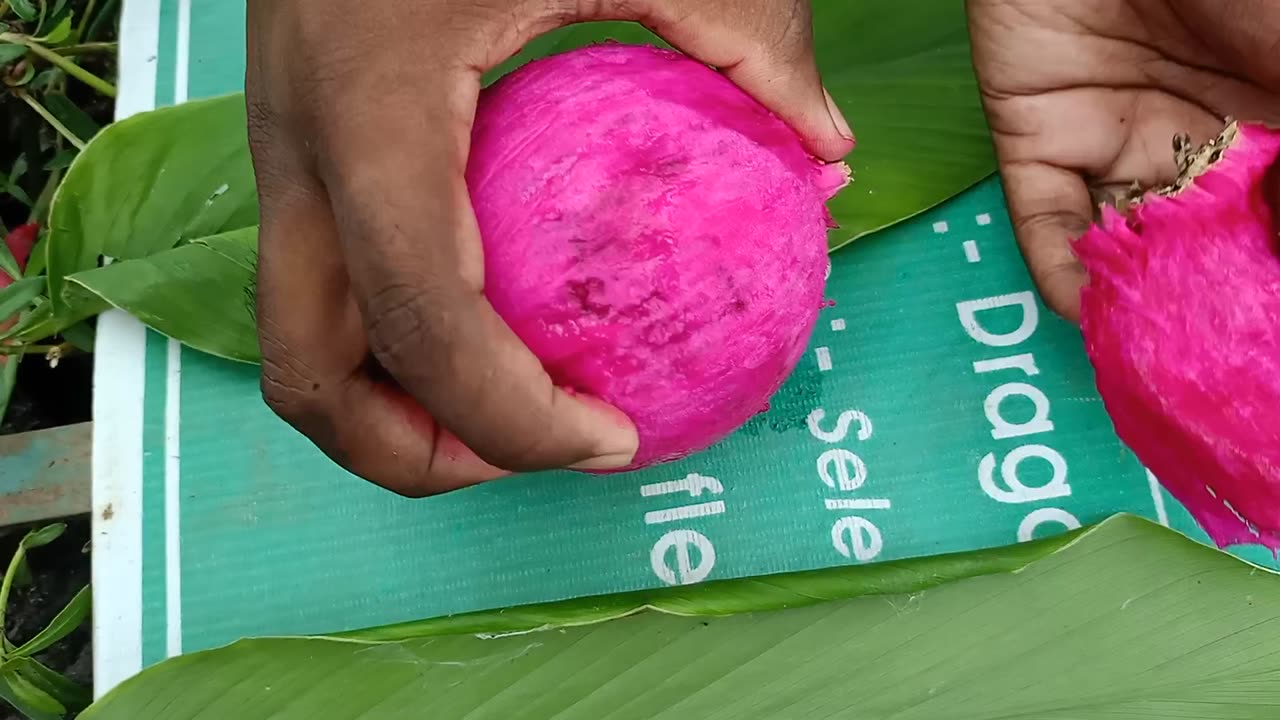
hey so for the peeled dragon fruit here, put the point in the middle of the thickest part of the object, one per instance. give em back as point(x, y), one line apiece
point(1181, 320)
point(653, 234)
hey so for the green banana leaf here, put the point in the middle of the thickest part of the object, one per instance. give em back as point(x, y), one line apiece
point(148, 187)
point(1124, 620)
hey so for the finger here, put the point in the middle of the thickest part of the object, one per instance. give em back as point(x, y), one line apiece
point(315, 370)
point(767, 50)
point(1050, 208)
point(415, 261)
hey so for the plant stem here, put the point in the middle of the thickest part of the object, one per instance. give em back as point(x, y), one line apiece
point(6, 586)
point(63, 130)
point(65, 64)
point(84, 19)
point(87, 48)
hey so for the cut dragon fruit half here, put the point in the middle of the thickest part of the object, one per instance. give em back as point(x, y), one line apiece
point(1181, 321)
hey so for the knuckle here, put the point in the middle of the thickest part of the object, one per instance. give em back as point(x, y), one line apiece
point(397, 322)
point(787, 32)
point(1049, 226)
point(540, 448)
point(285, 382)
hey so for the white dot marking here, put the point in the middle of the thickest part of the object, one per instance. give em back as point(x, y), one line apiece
point(971, 251)
point(984, 219)
point(824, 359)
point(837, 324)
point(940, 227)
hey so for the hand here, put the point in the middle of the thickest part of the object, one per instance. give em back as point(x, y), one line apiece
point(1089, 94)
point(377, 341)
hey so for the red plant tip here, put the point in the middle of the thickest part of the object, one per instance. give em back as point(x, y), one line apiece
point(20, 241)
point(1181, 321)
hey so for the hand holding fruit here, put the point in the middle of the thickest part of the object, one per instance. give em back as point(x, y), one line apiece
point(378, 342)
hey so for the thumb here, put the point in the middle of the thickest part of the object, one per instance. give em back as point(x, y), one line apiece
point(764, 47)
point(791, 87)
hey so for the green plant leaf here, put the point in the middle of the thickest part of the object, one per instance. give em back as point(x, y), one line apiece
point(44, 79)
point(60, 25)
point(18, 169)
point(774, 592)
point(148, 183)
point(10, 52)
point(1130, 620)
point(17, 689)
point(43, 536)
point(35, 324)
point(902, 74)
point(11, 186)
point(42, 689)
point(8, 264)
point(63, 159)
point(34, 539)
point(26, 9)
point(39, 255)
point(18, 296)
point(199, 292)
point(8, 380)
point(63, 624)
point(74, 696)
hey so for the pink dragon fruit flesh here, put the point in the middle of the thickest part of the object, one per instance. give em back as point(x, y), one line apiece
point(653, 234)
point(1181, 320)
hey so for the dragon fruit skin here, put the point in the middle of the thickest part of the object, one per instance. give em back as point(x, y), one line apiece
point(653, 234)
point(1181, 320)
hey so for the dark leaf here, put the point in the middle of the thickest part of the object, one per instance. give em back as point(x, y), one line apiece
point(10, 52)
point(17, 296)
point(70, 114)
point(17, 689)
point(26, 9)
point(81, 335)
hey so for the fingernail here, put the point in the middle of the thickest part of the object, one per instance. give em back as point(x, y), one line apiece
point(837, 117)
point(605, 462)
point(617, 440)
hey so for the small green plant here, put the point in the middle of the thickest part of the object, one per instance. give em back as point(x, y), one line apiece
point(36, 691)
point(55, 60)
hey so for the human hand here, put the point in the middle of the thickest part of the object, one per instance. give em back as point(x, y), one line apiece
point(1088, 95)
point(377, 341)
